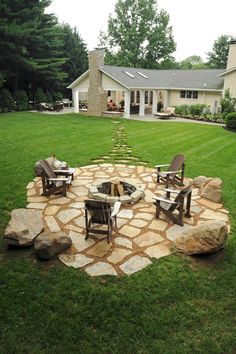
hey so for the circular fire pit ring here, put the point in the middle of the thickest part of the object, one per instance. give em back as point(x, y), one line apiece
point(116, 190)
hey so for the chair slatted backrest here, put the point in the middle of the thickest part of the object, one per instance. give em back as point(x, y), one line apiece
point(99, 211)
point(182, 194)
point(177, 163)
point(47, 169)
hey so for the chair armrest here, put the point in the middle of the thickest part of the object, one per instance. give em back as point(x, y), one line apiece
point(161, 166)
point(164, 200)
point(116, 209)
point(59, 179)
point(170, 172)
point(171, 190)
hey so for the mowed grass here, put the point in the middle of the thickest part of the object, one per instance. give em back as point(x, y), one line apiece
point(177, 305)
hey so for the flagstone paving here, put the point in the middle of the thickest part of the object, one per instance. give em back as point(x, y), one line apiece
point(139, 237)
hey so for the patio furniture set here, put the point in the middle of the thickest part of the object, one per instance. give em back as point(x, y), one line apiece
point(101, 212)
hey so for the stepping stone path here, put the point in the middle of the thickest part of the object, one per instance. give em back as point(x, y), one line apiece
point(139, 238)
point(121, 152)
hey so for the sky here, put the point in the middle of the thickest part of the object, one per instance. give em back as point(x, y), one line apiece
point(195, 24)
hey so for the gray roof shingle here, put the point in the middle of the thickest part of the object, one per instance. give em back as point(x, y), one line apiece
point(205, 79)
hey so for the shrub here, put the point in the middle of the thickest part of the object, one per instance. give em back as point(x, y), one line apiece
point(57, 95)
point(6, 101)
point(40, 96)
point(227, 103)
point(22, 100)
point(230, 120)
point(196, 110)
point(182, 110)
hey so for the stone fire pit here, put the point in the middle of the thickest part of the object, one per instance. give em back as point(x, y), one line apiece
point(116, 190)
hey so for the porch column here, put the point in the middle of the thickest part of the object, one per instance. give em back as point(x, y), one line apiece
point(154, 101)
point(167, 99)
point(141, 103)
point(76, 100)
point(127, 105)
point(117, 98)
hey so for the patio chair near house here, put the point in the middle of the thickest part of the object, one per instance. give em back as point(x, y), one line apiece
point(54, 182)
point(174, 209)
point(99, 213)
point(174, 173)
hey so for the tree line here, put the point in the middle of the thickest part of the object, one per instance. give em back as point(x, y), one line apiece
point(39, 57)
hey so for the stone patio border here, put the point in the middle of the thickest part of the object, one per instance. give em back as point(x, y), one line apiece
point(139, 237)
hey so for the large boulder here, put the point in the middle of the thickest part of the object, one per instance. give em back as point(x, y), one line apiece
point(198, 181)
point(49, 244)
point(24, 226)
point(211, 189)
point(207, 237)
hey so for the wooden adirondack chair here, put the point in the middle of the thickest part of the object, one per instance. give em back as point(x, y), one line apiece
point(167, 206)
point(175, 168)
point(54, 182)
point(101, 213)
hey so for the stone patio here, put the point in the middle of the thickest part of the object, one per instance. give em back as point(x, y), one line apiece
point(139, 237)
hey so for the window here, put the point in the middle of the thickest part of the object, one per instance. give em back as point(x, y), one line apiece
point(108, 93)
point(189, 94)
point(146, 97)
point(137, 96)
point(132, 97)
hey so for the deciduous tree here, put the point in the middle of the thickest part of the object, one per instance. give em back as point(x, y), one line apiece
point(138, 35)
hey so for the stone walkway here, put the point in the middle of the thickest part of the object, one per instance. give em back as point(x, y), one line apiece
point(139, 237)
point(121, 151)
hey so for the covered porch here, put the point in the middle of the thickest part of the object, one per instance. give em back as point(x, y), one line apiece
point(130, 102)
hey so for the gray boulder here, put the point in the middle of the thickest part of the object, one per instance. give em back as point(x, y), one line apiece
point(24, 226)
point(49, 244)
point(207, 237)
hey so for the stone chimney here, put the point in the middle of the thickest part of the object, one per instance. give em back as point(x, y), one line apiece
point(232, 55)
point(97, 97)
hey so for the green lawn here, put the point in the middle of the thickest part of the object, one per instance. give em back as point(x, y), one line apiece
point(177, 305)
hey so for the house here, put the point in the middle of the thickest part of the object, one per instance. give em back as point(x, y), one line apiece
point(143, 90)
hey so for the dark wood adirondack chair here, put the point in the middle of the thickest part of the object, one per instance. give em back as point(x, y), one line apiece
point(175, 171)
point(167, 206)
point(54, 182)
point(101, 213)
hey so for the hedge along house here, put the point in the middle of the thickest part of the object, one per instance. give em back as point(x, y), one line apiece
point(142, 89)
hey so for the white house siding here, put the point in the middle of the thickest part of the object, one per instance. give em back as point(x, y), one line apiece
point(84, 84)
point(110, 84)
point(230, 83)
point(206, 97)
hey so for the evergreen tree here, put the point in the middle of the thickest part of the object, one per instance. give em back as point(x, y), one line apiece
point(30, 45)
point(138, 35)
point(75, 50)
point(217, 59)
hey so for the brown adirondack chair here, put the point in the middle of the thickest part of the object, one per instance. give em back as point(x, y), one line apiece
point(174, 173)
point(168, 207)
point(54, 182)
point(101, 213)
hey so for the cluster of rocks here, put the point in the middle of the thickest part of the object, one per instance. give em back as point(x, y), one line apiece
point(26, 228)
point(209, 236)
